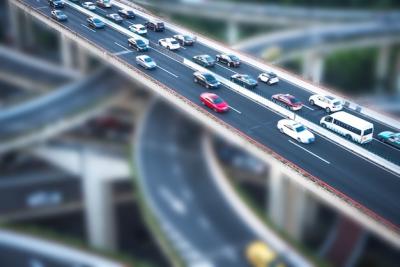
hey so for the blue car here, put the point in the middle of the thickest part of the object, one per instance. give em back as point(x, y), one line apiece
point(59, 15)
point(390, 138)
point(96, 23)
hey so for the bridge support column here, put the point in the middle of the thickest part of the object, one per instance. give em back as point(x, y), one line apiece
point(289, 206)
point(276, 201)
point(382, 67)
point(14, 25)
point(28, 30)
point(99, 207)
point(232, 33)
point(83, 60)
point(397, 75)
point(66, 51)
point(313, 66)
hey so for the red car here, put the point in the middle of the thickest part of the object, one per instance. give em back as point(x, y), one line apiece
point(214, 102)
point(288, 101)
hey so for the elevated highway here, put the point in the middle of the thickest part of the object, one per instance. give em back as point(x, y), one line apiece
point(326, 167)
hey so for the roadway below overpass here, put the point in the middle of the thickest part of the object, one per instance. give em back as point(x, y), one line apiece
point(194, 214)
point(31, 73)
point(48, 115)
point(329, 162)
point(324, 38)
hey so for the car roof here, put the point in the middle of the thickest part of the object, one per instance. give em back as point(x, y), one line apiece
point(292, 122)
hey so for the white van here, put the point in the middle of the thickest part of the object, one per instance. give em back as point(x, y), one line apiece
point(350, 126)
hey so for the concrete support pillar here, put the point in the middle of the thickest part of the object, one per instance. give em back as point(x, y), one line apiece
point(83, 59)
point(382, 68)
point(276, 201)
point(99, 209)
point(313, 66)
point(397, 75)
point(14, 26)
point(295, 210)
point(289, 206)
point(66, 51)
point(232, 32)
point(28, 30)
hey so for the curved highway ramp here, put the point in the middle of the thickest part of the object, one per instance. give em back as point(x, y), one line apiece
point(63, 109)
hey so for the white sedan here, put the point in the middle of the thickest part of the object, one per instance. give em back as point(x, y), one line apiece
point(296, 130)
point(329, 103)
point(146, 62)
point(169, 43)
point(138, 28)
point(89, 5)
point(269, 78)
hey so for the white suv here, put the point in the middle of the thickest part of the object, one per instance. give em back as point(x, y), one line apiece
point(329, 103)
point(169, 43)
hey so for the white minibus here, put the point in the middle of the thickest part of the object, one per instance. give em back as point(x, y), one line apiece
point(350, 126)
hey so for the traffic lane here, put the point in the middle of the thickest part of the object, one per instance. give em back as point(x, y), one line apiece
point(55, 110)
point(282, 87)
point(12, 255)
point(199, 48)
point(359, 179)
point(194, 97)
point(182, 181)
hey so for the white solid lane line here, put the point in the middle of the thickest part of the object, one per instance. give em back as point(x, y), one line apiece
point(83, 25)
point(307, 107)
point(176, 76)
point(42, 7)
point(122, 53)
point(218, 64)
point(165, 54)
point(123, 47)
point(235, 110)
point(315, 155)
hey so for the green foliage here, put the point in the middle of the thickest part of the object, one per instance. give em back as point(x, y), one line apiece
point(353, 70)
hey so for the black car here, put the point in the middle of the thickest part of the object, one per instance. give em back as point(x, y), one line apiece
point(206, 79)
point(156, 26)
point(126, 13)
point(184, 39)
point(138, 44)
point(244, 80)
point(204, 60)
point(115, 18)
point(56, 3)
point(230, 60)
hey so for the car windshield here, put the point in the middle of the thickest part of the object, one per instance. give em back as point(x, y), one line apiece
point(174, 42)
point(140, 42)
point(187, 38)
point(208, 59)
point(234, 58)
point(210, 78)
point(141, 28)
point(271, 74)
point(337, 103)
point(368, 131)
point(300, 128)
point(97, 21)
point(57, 12)
point(148, 60)
point(160, 24)
point(218, 100)
point(294, 100)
